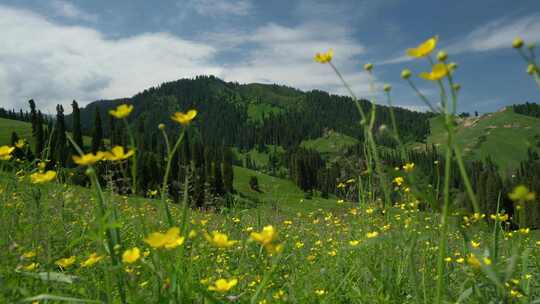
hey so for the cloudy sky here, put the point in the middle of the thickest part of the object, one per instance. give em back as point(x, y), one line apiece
point(57, 50)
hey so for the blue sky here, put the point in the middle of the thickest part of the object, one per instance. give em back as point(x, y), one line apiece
point(55, 50)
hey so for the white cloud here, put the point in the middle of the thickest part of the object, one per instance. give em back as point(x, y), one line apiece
point(499, 34)
point(70, 11)
point(55, 64)
point(222, 7)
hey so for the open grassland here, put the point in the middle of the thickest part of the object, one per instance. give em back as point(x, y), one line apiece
point(504, 136)
point(333, 253)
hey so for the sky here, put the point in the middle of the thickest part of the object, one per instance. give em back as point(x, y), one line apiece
point(55, 51)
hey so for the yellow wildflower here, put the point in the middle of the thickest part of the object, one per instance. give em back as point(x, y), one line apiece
point(184, 118)
point(324, 57)
point(88, 159)
point(122, 111)
point(398, 180)
point(320, 292)
point(220, 240)
point(408, 167)
point(20, 143)
point(29, 254)
point(66, 262)
point(117, 153)
point(5, 152)
point(438, 71)
point(131, 255)
point(39, 178)
point(223, 285)
point(371, 235)
point(31, 267)
point(169, 240)
point(266, 236)
point(473, 261)
point(522, 193)
point(92, 260)
point(354, 242)
point(424, 49)
point(475, 244)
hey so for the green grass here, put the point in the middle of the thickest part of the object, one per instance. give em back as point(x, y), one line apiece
point(504, 136)
point(319, 264)
point(331, 143)
point(24, 131)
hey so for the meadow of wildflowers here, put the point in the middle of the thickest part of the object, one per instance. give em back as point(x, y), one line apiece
point(63, 243)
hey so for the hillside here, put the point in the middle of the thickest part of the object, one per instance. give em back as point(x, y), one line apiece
point(505, 136)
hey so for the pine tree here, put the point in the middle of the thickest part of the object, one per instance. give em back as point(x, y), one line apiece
point(228, 172)
point(76, 128)
point(60, 149)
point(97, 134)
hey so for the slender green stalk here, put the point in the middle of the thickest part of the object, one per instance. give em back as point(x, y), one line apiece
point(164, 186)
point(133, 158)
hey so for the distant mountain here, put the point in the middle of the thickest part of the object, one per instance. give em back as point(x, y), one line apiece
point(244, 115)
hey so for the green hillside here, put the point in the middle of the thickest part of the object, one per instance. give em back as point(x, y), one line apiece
point(23, 130)
point(330, 143)
point(504, 136)
point(7, 126)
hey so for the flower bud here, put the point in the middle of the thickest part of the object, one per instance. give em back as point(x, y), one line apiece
point(442, 55)
point(161, 126)
point(452, 66)
point(517, 43)
point(368, 67)
point(406, 74)
point(531, 68)
point(456, 87)
point(387, 88)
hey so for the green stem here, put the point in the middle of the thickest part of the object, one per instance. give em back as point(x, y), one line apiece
point(166, 178)
point(133, 158)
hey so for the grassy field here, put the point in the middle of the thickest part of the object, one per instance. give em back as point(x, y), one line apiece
point(331, 143)
point(24, 130)
point(504, 136)
point(332, 253)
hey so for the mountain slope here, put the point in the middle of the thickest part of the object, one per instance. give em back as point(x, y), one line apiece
point(504, 136)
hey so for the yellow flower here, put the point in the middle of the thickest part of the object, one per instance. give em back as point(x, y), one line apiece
point(320, 292)
point(223, 285)
point(266, 236)
point(220, 240)
point(408, 167)
point(169, 240)
point(354, 242)
point(122, 111)
point(398, 180)
point(371, 235)
point(66, 262)
point(501, 217)
point(475, 244)
point(117, 153)
point(88, 159)
point(438, 71)
point(406, 74)
point(273, 249)
point(522, 193)
point(324, 57)
point(368, 67)
point(92, 260)
point(424, 49)
point(517, 43)
point(131, 255)
point(31, 267)
point(29, 254)
point(20, 143)
point(5, 152)
point(39, 178)
point(473, 261)
point(184, 118)
point(442, 56)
